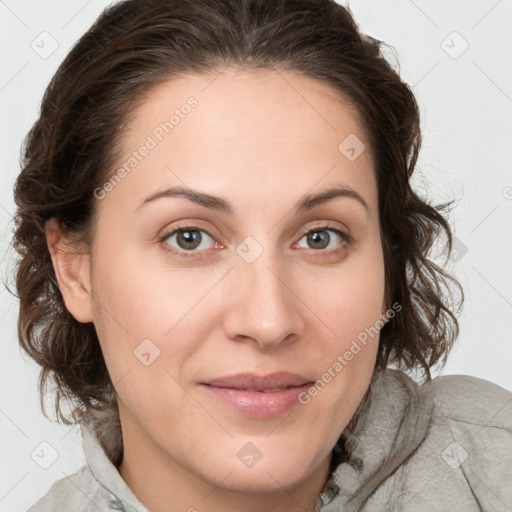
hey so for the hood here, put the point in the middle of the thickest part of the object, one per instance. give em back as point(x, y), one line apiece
point(391, 422)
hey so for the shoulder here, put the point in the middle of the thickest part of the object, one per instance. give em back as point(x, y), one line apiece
point(79, 492)
point(470, 400)
point(465, 460)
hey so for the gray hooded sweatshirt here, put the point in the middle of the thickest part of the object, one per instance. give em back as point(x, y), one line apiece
point(442, 446)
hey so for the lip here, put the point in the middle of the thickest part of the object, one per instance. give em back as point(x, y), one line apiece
point(253, 381)
point(239, 392)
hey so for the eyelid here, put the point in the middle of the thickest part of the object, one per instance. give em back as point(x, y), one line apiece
point(328, 225)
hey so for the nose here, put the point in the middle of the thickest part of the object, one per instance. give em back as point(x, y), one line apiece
point(263, 308)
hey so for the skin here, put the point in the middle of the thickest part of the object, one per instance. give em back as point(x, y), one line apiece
point(261, 140)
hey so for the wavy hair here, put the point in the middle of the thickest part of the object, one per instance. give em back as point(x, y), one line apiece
point(136, 45)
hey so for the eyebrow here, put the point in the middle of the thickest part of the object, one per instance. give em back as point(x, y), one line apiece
point(221, 205)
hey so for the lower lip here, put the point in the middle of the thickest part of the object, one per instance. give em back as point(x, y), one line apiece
point(258, 404)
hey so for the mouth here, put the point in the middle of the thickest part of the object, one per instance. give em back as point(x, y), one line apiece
point(258, 396)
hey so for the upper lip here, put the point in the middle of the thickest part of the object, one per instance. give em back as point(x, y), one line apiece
point(253, 381)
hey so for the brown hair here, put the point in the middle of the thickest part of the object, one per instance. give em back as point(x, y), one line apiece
point(137, 44)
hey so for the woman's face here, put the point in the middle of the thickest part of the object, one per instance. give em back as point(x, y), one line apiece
point(258, 281)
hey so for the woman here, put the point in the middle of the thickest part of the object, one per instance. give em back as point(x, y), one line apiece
point(225, 268)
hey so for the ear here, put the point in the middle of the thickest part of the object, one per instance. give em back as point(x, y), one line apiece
point(72, 271)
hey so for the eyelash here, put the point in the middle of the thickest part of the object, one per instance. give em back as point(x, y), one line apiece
point(347, 239)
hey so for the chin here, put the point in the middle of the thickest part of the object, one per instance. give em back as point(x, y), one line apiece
point(265, 480)
point(271, 473)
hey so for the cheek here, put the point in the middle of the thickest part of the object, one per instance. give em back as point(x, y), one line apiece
point(145, 336)
point(351, 322)
point(153, 316)
point(142, 297)
point(351, 300)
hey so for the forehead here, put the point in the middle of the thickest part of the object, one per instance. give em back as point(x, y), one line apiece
point(245, 99)
point(260, 131)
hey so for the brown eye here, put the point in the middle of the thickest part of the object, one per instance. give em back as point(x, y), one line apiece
point(319, 238)
point(187, 239)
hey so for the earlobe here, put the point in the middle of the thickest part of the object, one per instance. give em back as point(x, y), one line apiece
point(72, 271)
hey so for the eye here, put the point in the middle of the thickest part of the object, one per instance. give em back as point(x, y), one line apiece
point(187, 239)
point(319, 237)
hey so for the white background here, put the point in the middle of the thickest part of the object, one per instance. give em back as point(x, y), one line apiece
point(466, 107)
